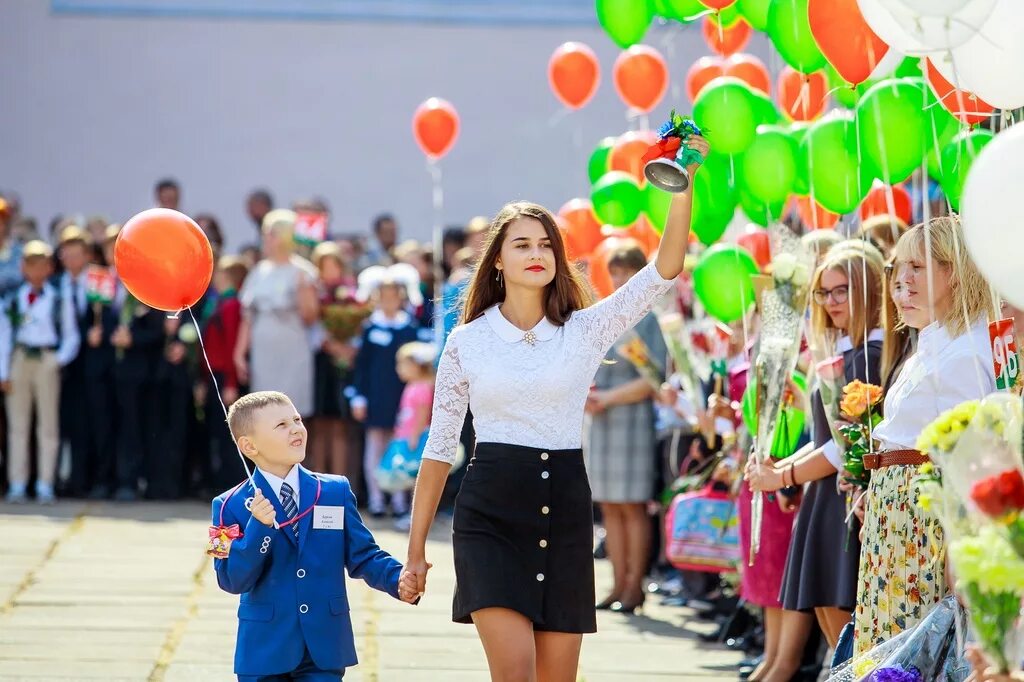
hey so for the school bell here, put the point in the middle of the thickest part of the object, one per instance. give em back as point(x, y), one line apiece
point(667, 175)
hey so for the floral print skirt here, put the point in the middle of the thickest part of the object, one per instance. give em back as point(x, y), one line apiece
point(902, 562)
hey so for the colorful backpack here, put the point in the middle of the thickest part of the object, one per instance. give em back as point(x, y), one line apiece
point(701, 532)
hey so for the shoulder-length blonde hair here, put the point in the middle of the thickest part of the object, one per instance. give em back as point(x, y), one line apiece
point(940, 242)
point(863, 268)
point(564, 295)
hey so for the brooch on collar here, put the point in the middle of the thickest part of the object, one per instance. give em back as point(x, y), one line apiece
point(530, 338)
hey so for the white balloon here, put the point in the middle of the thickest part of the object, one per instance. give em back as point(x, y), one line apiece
point(890, 61)
point(991, 64)
point(992, 213)
point(934, 8)
point(942, 32)
point(881, 21)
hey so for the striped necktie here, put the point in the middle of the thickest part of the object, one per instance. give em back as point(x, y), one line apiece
point(290, 510)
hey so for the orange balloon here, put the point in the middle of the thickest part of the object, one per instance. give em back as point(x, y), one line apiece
point(877, 203)
point(802, 97)
point(644, 234)
point(966, 106)
point(641, 77)
point(435, 126)
point(845, 39)
point(582, 229)
point(750, 70)
point(703, 71)
point(627, 153)
point(755, 240)
point(717, 4)
point(164, 259)
point(726, 40)
point(597, 267)
point(573, 72)
point(813, 215)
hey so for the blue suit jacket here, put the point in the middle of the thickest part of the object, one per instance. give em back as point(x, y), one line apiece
point(293, 593)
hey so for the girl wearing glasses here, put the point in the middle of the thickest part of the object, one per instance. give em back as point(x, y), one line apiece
point(821, 570)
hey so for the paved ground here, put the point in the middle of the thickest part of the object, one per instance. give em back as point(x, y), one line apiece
point(124, 592)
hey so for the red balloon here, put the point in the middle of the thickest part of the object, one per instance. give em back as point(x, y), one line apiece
point(845, 39)
point(756, 241)
point(435, 125)
point(750, 70)
point(717, 4)
point(574, 72)
point(644, 235)
point(802, 97)
point(627, 153)
point(703, 71)
point(966, 106)
point(597, 267)
point(641, 77)
point(726, 40)
point(582, 229)
point(813, 215)
point(877, 203)
point(164, 259)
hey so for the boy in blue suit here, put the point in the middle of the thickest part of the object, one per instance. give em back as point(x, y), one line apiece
point(293, 536)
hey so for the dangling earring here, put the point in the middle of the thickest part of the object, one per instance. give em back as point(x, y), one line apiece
point(499, 279)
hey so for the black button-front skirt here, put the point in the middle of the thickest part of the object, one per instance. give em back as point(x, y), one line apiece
point(523, 537)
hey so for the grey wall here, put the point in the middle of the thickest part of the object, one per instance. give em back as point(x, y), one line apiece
point(94, 109)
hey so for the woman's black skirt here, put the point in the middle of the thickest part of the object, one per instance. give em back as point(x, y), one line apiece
point(523, 536)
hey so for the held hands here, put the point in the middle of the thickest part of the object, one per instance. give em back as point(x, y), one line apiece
point(262, 509)
point(414, 579)
point(407, 588)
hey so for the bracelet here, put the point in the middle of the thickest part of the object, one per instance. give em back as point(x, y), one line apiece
point(792, 475)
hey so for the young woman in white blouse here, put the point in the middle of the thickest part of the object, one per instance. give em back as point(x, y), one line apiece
point(939, 291)
point(523, 360)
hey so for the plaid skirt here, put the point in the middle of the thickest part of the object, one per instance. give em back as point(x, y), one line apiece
point(523, 537)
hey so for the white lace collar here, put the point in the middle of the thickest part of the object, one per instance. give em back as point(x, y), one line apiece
point(509, 333)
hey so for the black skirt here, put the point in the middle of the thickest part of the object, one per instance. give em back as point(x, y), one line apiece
point(824, 554)
point(523, 536)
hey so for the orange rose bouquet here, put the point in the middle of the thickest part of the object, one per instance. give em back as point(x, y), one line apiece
point(862, 410)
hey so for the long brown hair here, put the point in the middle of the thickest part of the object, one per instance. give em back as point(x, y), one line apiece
point(565, 294)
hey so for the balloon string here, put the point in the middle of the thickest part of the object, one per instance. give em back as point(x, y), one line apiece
point(216, 388)
point(437, 196)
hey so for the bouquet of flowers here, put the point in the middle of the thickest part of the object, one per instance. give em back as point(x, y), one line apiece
point(782, 318)
point(974, 485)
point(677, 339)
point(638, 354)
point(861, 411)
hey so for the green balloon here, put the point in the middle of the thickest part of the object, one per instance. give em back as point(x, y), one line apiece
point(616, 199)
point(801, 184)
point(893, 128)
point(728, 16)
point(910, 67)
point(656, 205)
point(758, 211)
point(722, 281)
point(625, 21)
point(768, 170)
point(765, 109)
point(680, 10)
point(790, 426)
point(755, 11)
point(837, 179)
point(957, 158)
point(598, 164)
point(845, 94)
point(790, 31)
point(714, 198)
point(936, 143)
point(726, 108)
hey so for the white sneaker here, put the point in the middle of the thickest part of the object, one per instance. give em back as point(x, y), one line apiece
point(15, 497)
point(403, 523)
point(44, 494)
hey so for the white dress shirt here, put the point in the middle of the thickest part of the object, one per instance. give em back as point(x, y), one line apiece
point(530, 394)
point(36, 327)
point(943, 373)
point(292, 479)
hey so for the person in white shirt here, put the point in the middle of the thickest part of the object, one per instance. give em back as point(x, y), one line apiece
point(939, 291)
point(38, 336)
point(523, 361)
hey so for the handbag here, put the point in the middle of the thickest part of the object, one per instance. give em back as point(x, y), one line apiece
point(399, 466)
point(701, 532)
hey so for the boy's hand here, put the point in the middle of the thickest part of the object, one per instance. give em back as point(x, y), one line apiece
point(407, 588)
point(262, 509)
point(416, 572)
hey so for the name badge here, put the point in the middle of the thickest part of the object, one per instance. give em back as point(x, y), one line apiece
point(328, 518)
point(379, 337)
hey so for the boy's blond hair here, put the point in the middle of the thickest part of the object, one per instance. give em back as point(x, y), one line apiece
point(242, 415)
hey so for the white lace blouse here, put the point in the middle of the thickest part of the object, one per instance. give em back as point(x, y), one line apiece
point(530, 394)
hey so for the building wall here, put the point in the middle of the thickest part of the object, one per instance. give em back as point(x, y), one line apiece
point(96, 107)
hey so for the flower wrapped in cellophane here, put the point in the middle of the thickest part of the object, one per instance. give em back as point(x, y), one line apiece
point(861, 411)
point(638, 354)
point(974, 485)
point(680, 349)
point(782, 320)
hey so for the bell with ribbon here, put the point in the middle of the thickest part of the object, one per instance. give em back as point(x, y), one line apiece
point(221, 538)
point(665, 162)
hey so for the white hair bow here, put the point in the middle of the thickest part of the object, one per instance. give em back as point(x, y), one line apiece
point(400, 274)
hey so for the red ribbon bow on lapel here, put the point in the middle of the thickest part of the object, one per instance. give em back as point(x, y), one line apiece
point(233, 532)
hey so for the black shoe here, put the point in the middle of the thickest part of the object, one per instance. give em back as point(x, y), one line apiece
point(600, 552)
point(607, 604)
point(630, 608)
